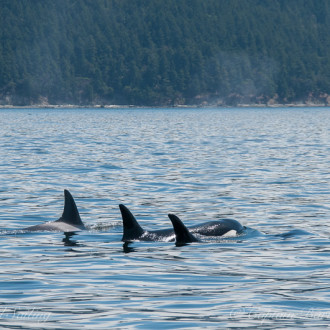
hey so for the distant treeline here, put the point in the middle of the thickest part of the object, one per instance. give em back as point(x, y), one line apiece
point(164, 52)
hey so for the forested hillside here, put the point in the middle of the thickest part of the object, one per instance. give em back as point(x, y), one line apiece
point(156, 52)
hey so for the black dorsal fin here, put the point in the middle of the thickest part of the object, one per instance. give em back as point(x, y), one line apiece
point(131, 228)
point(70, 212)
point(182, 234)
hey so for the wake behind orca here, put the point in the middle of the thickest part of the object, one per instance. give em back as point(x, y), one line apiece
point(132, 231)
point(69, 221)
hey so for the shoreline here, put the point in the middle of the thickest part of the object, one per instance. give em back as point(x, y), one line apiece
point(117, 106)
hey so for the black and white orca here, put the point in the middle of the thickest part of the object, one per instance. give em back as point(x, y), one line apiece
point(182, 233)
point(132, 231)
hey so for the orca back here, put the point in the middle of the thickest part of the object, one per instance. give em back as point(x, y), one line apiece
point(131, 228)
point(69, 221)
point(70, 214)
point(182, 234)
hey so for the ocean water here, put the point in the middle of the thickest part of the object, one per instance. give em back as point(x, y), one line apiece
point(267, 168)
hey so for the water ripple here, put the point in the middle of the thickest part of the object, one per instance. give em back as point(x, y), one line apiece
point(267, 168)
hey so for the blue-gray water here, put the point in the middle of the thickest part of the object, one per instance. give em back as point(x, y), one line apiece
point(267, 168)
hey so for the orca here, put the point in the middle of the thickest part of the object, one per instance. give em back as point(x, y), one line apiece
point(69, 221)
point(182, 233)
point(133, 231)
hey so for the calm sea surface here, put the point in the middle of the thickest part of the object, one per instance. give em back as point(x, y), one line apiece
point(267, 168)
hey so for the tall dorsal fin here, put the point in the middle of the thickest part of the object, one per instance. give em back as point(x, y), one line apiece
point(70, 212)
point(131, 228)
point(182, 234)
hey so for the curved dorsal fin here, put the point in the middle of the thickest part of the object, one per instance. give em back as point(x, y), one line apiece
point(131, 228)
point(70, 212)
point(182, 234)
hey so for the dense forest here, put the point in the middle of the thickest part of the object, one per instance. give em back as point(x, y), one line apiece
point(156, 52)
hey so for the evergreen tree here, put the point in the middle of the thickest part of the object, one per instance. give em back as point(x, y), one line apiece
point(163, 52)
